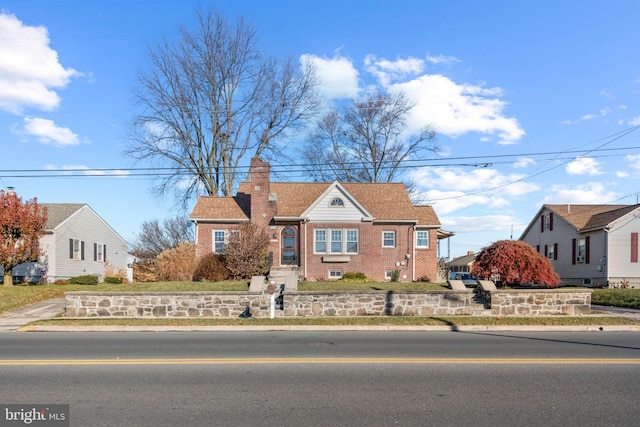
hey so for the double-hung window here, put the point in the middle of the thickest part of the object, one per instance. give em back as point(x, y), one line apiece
point(98, 252)
point(76, 249)
point(321, 241)
point(336, 241)
point(388, 239)
point(219, 241)
point(352, 241)
point(422, 239)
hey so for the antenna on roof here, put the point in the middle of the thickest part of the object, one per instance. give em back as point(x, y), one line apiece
point(10, 190)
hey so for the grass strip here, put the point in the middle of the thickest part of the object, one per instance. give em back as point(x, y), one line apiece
point(353, 321)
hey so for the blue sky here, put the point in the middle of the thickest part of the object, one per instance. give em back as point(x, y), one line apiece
point(534, 101)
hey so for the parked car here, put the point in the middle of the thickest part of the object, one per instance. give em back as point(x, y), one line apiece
point(466, 278)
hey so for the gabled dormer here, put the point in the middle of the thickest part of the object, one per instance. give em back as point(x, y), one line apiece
point(336, 204)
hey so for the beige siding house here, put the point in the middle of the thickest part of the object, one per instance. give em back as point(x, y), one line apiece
point(77, 242)
point(323, 230)
point(592, 245)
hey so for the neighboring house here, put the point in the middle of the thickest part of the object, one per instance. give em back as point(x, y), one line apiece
point(77, 242)
point(323, 230)
point(462, 263)
point(592, 245)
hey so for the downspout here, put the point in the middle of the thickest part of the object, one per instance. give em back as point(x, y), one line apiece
point(413, 255)
point(305, 249)
point(605, 263)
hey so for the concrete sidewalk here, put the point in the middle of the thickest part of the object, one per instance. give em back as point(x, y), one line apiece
point(14, 320)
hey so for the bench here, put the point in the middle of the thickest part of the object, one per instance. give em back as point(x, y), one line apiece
point(457, 285)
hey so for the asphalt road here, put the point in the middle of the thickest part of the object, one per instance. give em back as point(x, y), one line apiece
point(327, 378)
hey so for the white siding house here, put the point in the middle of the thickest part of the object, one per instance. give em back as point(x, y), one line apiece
point(77, 242)
point(592, 245)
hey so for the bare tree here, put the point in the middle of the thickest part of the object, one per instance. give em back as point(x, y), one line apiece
point(157, 237)
point(209, 101)
point(367, 142)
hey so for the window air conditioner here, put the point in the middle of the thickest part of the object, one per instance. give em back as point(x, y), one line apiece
point(579, 259)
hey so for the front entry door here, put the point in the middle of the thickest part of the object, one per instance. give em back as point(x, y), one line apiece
point(289, 247)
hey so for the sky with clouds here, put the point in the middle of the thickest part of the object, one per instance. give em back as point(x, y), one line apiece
point(533, 102)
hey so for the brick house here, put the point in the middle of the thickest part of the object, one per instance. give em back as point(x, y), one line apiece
point(323, 230)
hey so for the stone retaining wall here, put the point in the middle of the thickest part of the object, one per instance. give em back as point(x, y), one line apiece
point(322, 304)
point(540, 302)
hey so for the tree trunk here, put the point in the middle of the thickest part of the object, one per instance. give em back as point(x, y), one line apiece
point(8, 278)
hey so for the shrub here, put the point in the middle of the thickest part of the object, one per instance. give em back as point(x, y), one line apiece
point(514, 262)
point(351, 277)
point(84, 280)
point(113, 280)
point(211, 267)
point(61, 282)
point(145, 271)
point(178, 263)
point(395, 275)
point(247, 253)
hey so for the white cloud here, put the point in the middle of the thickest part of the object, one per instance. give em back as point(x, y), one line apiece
point(523, 163)
point(584, 166)
point(453, 189)
point(86, 170)
point(603, 112)
point(455, 109)
point(473, 224)
point(29, 68)
point(48, 132)
point(589, 193)
point(338, 77)
point(441, 59)
point(387, 71)
point(635, 121)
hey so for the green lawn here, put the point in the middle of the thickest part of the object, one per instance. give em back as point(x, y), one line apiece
point(19, 296)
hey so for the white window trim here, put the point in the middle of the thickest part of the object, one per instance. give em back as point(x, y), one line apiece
point(394, 239)
point(214, 241)
point(422, 246)
point(335, 277)
point(77, 253)
point(100, 252)
point(328, 241)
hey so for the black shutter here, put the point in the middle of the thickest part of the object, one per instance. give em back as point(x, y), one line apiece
point(550, 221)
point(573, 251)
point(104, 253)
point(82, 250)
point(546, 251)
point(586, 249)
point(555, 251)
point(95, 251)
point(71, 248)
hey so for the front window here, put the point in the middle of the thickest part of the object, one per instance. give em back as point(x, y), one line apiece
point(99, 252)
point(336, 241)
point(551, 252)
point(219, 241)
point(321, 241)
point(352, 241)
point(389, 239)
point(422, 239)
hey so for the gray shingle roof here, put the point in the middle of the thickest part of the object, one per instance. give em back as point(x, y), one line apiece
point(59, 212)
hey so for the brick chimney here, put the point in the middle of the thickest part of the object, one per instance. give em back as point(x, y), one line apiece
point(263, 203)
